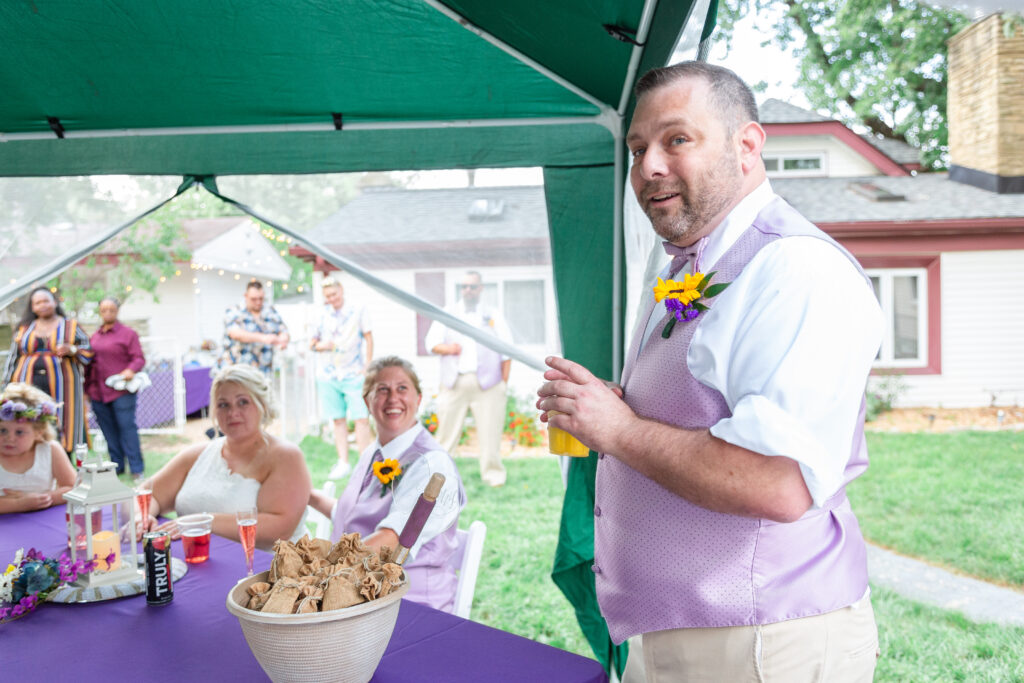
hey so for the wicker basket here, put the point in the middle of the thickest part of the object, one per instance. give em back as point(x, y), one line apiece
point(343, 645)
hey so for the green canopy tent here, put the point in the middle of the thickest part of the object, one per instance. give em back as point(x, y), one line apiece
point(211, 88)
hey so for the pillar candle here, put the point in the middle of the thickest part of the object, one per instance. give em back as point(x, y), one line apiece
point(104, 543)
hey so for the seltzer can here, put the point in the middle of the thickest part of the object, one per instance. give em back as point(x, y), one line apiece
point(156, 546)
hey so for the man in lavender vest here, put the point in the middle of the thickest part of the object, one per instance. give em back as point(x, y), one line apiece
point(724, 541)
point(473, 376)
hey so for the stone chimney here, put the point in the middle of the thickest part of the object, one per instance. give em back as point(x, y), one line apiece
point(985, 107)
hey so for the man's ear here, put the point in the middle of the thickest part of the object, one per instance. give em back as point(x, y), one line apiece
point(749, 143)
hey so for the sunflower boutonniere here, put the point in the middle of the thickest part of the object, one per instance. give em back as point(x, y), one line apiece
point(682, 299)
point(388, 472)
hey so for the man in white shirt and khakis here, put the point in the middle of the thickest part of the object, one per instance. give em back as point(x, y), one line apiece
point(473, 377)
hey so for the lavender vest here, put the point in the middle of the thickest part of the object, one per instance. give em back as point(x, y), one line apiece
point(432, 579)
point(662, 562)
point(488, 362)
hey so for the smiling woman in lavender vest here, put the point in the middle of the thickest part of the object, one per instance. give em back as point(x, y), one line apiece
point(379, 510)
point(725, 455)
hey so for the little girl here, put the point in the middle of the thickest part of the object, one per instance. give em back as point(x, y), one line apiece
point(35, 472)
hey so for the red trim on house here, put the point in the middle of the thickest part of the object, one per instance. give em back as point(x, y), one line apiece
point(933, 269)
point(906, 238)
point(837, 130)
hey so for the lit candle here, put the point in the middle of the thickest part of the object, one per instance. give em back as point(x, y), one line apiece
point(104, 543)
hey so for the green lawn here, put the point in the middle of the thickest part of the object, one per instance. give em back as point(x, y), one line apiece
point(924, 495)
point(955, 499)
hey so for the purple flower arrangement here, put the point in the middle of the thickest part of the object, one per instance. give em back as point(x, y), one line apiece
point(31, 578)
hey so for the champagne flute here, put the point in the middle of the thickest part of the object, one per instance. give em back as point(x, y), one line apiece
point(143, 497)
point(247, 534)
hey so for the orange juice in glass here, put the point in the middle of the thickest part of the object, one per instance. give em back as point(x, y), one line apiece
point(561, 442)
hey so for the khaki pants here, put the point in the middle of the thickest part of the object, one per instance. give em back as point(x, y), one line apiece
point(836, 647)
point(489, 414)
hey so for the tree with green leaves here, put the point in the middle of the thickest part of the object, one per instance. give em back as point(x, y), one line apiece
point(874, 64)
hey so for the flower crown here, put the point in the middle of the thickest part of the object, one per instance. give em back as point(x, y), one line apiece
point(16, 411)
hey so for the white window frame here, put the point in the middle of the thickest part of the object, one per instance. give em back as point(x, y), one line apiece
point(886, 300)
point(782, 157)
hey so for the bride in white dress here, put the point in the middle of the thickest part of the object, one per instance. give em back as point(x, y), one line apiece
point(245, 467)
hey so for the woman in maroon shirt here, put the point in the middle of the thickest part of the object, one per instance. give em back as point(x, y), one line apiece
point(118, 352)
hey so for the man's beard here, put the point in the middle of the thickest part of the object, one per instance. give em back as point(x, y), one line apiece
point(702, 202)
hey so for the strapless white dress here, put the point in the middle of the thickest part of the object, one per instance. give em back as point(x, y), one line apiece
point(211, 487)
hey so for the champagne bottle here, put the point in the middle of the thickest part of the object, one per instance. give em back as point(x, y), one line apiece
point(418, 517)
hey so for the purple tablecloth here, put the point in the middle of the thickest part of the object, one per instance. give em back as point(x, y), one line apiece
point(155, 405)
point(197, 387)
point(196, 638)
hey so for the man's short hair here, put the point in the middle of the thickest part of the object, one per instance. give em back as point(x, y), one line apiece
point(476, 274)
point(329, 282)
point(730, 95)
point(254, 284)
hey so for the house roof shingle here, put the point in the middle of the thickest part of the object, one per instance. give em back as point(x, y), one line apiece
point(777, 111)
point(928, 197)
point(402, 216)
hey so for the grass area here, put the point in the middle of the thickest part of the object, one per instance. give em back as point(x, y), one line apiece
point(514, 591)
point(953, 499)
point(930, 645)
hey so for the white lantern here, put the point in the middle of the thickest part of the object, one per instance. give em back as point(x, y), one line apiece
point(97, 508)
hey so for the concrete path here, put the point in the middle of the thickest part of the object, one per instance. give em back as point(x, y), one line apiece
point(977, 600)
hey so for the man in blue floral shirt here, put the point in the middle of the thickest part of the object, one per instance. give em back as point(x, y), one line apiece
point(251, 333)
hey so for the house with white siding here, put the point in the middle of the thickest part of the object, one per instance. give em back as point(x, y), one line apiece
point(945, 251)
point(423, 241)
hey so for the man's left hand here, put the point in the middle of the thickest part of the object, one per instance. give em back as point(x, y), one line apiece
point(591, 410)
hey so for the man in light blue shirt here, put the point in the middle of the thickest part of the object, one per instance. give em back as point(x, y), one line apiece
point(341, 364)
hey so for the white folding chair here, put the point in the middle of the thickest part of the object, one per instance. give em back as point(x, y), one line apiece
point(466, 561)
point(323, 523)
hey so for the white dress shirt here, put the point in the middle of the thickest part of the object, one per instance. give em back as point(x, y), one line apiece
point(413, 481)
point(789, 344)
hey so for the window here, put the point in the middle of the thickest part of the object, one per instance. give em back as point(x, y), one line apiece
point(524, 310)
point(804, 164)
point(902, 295)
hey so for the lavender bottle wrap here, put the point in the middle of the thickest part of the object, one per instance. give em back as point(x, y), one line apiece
point(418, 517)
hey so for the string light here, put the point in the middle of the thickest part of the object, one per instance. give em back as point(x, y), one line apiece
point(195, 280)
point(220, 272)
point(177, 272)
point(163, 278)
point(237, 276)
point(128, 288)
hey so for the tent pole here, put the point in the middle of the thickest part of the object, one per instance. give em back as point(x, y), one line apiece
point(634, 58)
point(598, 119)
point(509, 50)
point(619, 183)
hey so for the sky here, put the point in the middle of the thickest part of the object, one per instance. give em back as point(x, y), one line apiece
point(754, 62)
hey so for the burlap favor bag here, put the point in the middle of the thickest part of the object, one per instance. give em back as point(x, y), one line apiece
point(258, 592)
point(341, 592)
point(391, 578)
point(286, 562)
point(283, 596)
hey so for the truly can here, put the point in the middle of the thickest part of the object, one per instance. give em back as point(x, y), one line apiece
point(156, 546)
